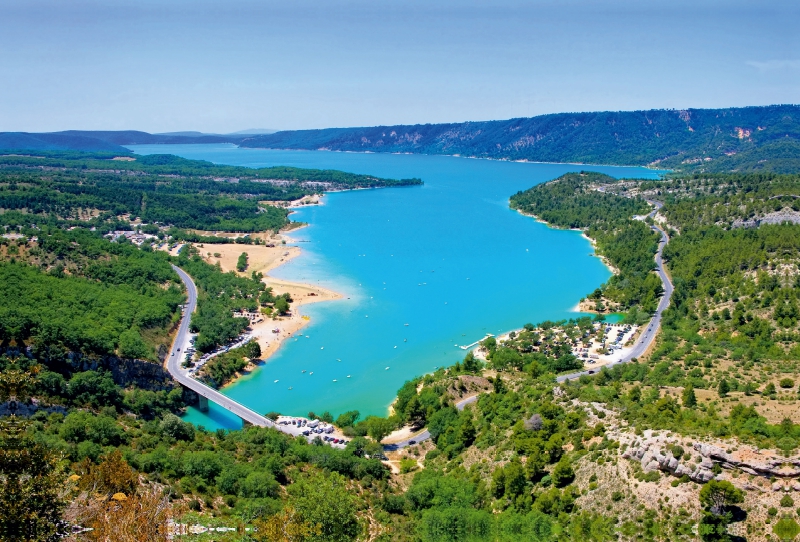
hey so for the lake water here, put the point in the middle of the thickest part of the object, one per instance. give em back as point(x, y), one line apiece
point(449, 259)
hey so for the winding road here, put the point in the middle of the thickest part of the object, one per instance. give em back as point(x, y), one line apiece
point(174, 363)
point(646, 339)
point(182, 377)
point(641, 345)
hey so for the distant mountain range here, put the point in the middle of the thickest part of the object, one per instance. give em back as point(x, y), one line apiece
point(746, 139)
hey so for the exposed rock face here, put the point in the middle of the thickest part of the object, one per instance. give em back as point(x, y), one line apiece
point(780, 468)
point(777, 217)
point(125, 372)
point(650, 453)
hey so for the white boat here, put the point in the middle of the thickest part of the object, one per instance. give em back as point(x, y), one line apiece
point(386, 369)
point(348, 376)
point(334, 380)
point(275, 382)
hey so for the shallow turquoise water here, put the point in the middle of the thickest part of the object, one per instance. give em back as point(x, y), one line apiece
point(449, 258)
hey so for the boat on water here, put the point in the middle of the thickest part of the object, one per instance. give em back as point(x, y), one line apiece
point(275, 382)
point(386, 369)
point(334, 380)
point(304, 370)
point(348, 376)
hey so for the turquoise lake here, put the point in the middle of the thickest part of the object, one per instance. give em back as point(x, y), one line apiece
point(449, 258)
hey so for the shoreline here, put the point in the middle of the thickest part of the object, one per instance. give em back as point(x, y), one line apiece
point(472, 157)
point(603, 259)
point(270, 332)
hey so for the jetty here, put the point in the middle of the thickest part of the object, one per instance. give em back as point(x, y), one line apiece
point(476, 343)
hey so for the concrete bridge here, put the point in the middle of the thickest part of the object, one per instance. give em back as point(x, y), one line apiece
point(205, 393)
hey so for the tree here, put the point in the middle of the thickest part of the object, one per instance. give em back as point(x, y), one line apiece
point(689, 397)
point(347, 419)
point(241, 263)
point(324, 501)
point(176, 428)
point(132, 346)
point(111, 476)
point(125, 519)
point(723, 388)
point(534, 423)
point(562, 474)
point(471, 363)
point(33, 488)
point(378, 427)
point(281, 305)
point(718, 495)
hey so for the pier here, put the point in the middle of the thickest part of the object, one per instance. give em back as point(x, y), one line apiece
point(476, 343)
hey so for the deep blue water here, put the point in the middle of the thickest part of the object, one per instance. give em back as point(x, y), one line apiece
point(449, 258)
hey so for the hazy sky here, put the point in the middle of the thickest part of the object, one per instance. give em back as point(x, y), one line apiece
point(229, 65)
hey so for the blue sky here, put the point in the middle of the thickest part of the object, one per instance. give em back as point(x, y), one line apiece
point(230, 65)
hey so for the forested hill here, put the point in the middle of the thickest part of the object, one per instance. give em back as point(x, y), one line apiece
point(96, 190)
point(103, 140)
point(751, 138)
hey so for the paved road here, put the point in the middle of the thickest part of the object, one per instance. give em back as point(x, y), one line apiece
point(179, 374)
point(648, 336)
point(174, 363)
point(425, 435)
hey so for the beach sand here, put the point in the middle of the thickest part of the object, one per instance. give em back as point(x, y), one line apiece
point(263, 259)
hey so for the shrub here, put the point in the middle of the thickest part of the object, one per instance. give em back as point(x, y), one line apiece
point(772, 511)
point(786, 383)
point(787, 501)
point(407, 465)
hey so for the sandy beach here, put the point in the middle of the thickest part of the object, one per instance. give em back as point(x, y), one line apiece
point(270, 333)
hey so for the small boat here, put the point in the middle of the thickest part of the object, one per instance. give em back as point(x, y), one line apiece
point(311, 373)
point(405, 324)
point(386, 369)
point(322, 348)
point(290, 387)
point(304, 370)
point(395, 347)
point(275, 382)
point(337, 359)
point(405, 340)
point(334, 380)
point(348, 376)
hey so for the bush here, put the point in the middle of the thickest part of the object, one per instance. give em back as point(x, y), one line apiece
point(407, 465)
point(787, 501)
point(772, 511)
point(176, 428)
point(563, 474)
point(786, 383)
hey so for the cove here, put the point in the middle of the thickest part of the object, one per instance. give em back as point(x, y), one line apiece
point(422, 270)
